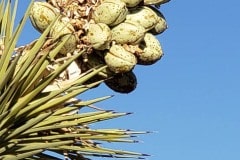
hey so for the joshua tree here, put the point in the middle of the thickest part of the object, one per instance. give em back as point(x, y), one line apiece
point(83, 43)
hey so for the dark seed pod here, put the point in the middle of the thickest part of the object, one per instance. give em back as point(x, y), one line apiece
point(123, 82)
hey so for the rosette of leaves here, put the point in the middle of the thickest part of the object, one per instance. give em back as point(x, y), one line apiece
point(39, 110)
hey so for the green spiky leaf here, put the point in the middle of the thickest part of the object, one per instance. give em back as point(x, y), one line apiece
point(39, 113)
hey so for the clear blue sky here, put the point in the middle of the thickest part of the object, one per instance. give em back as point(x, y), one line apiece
point(190, 97)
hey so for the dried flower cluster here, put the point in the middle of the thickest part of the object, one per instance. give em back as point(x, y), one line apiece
point(118, 33)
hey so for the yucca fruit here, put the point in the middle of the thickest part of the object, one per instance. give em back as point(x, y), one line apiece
point(103, 24)
point(122, 82)
point(79, 48)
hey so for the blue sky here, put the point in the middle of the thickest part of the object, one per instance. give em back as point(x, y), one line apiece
point(191, 97)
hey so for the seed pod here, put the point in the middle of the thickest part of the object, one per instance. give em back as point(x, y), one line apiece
point(161, 25)
point(99, 36)
point(110, 12)
point(95, 60)
point(63, 27)
point(128, 33)
point(123, 82)
point(41, 15)
point(143, 15)
point(152, 50)
point(132, 3)
point(120, 60)
point(155, 2)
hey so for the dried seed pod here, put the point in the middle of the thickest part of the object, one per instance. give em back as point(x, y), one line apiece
point(99, 36)
point(128, 33)
point(143, 15)
point(63, 27)
point(41, 15)
point(110, 12)
point(155, 2)
point(161, 25)
point(120, 60)
point(132, 3)
point(152, 50)
point(123, 82)
point(95, 60)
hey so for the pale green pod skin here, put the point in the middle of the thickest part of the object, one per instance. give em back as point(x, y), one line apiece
point(110, 12)
point(122, 83)
point(128, 33)
point(41, 15)
point(161, 25)
point(99, 36)
point(152, 50)
point(155, 2)
point(143, 15)
point(119, 60)
point(63, 27)
point(132, 3)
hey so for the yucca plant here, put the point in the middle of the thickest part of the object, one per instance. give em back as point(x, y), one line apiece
point(39, 82)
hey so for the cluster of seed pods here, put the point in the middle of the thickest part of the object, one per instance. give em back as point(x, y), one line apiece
point(119, 33)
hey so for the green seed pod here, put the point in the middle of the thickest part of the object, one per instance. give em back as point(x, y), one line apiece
point(128, 33)
point(120, 60)
point(63, 27)
point(132, 3)
point(110, 12)
point(161, 25)
point(99, 36)
point(155, 2)
point(143, 15)
point(41, 15)
point(123, 82)
point(152, 50)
